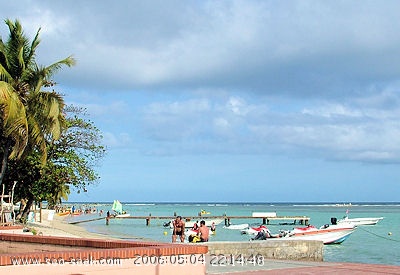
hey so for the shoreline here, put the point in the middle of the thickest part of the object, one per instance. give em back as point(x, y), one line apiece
point(58, 228)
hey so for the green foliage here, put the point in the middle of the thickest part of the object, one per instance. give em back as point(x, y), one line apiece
point(53, 148)
point(30, 115)
point(71, 163)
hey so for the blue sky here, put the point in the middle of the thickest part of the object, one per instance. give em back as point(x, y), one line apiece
point(231, 101)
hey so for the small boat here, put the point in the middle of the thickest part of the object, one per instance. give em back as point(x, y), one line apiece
point(69, 213)
point(208, 222)
point(328, 234)
point(204, 212)
point(253, 230)
point(359, 221)
point(64, 213)
point(117, 208)
point(123, 215)
point(237, 226)
point(304, 229)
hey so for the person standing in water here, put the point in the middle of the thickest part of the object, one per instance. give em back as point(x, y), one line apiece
point(179, 229)
point(213, 228)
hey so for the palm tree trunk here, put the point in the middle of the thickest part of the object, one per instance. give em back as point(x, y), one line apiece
point(5, 159)
point(27, 208)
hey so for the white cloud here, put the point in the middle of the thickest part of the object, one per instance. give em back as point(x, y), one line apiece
point(331, 130)
point(120, 140)
point(332, 110)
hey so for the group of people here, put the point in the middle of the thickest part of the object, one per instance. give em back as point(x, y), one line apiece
point(203, 231)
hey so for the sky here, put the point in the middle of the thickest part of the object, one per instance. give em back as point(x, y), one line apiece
point(231, 101)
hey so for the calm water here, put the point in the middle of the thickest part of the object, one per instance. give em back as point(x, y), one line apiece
point(378, 244)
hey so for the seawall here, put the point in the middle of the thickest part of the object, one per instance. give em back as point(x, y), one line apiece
point(271, 249)
point(51, 254)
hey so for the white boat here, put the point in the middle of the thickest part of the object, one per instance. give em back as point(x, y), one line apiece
point(254, 230)
point(328, 234)
point(122, 215)
point(237, 226)
point(117, 208)
point(208, 222)
point(359, 221)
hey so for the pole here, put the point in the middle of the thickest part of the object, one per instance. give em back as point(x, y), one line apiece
point(1, 215)
point(12, 201)
point(40, 211)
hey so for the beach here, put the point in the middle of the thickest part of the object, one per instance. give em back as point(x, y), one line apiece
point(57, 227)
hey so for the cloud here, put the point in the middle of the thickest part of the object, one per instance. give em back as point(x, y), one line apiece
point(295, 48)
point(112, 141)
point(304, 75)
point(244, 126)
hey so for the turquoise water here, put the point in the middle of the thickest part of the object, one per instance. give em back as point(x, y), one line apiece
point(379, 244)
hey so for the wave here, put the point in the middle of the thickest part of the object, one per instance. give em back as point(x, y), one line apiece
point(246, 204)
point(140, 204)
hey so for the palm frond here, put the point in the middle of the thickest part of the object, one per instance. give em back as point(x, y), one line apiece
point(53, 68)
point(14, 119)
point(35, 43)
point(4, 75)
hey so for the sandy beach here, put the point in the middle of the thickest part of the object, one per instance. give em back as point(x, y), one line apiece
point(56, 227)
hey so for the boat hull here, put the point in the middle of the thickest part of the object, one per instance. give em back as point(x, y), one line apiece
point(237, 226)
point(360, 221)
point(253, 230)
point(122, 215)
point(328, 235)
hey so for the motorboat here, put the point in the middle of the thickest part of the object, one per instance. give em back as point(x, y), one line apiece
point(304, 229)
point(359, 221)
point(237, 226)
point(254, 230)
point(328, 234)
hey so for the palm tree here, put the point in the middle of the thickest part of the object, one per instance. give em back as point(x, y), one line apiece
point(31, 116)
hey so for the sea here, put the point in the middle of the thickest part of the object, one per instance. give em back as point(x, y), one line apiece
point(374, 244)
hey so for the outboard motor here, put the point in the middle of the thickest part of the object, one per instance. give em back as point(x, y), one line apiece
point(333, 220)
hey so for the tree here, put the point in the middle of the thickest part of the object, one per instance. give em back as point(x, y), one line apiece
point(31, 117)
point(75, 155)
point(71, 162)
